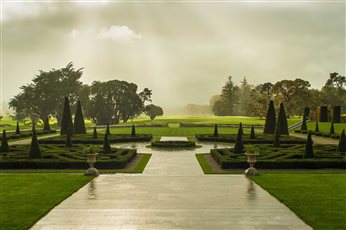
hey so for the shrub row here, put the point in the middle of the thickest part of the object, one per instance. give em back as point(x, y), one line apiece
point(173, 144)
point(127, 138)
point(320, 134)
point(23, 134)
point(219, 125)
point(260, 139)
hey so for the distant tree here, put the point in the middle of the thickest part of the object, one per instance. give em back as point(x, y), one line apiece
point(153, 111)
point(66, 120)
point(106, 145)
point(282, 120)
point(79, 125)
point(332, 131)
point(309, 152)
point(95, 133)
point(252, 133)
point(17, 128)
point(239, 145)
point(244, 93)
point(216, 132)
point(220, 107)
point(4, 143)
point(260, 97)
point(133, 131)
point(46, 126)
point(34, 152)
point(336, 114)
point(342, 142)
point(270, 123)
point(335, 90)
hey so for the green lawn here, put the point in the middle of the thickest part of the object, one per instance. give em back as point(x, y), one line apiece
point(319, 199)
point(25, 198)
point(324, 127)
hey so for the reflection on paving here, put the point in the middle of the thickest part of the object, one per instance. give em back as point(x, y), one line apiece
point(172, 193)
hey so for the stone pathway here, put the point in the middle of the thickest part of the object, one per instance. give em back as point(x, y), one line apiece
point(317, 139)
point(172, 193)
point(28, 140)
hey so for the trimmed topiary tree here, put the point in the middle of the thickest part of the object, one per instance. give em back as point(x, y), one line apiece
point(269, 126)
point(95, 133)
point(241, 128)
point(216, 132)
point(282, 120)
point(17, 128)
point(252, 133)
point(304, 126)
point(309, 151)
point(106, 145)
point(133, 131)
point(317, 129)
point(68, 142)
point(107, 129)
point(323, 113)
point(46, 126)
point(342, 142)
point(239, 145)
point(79, 125)
point(4, 143)
point(34, 152)
point(306, 112)
point(332, 131)
point(276, 142)
point(337, 114)
point(66, 120)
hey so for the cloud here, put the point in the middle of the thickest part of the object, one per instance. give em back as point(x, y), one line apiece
point(119, 33)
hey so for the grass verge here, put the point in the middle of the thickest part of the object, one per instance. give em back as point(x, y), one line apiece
point(24, 199)
point(319, 199)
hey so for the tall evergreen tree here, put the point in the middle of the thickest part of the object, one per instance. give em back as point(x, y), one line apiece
point(17, 128)
point(332, 131)
point(106, 145)
point(35, 151)
point(66, 120)
point(342, 142)
point(95, 133)
point(241, 128)
point(4, 143)
point(216, 132)
point(282, 120)
point(46, 125)
point(68, 142)
point(108, 130)
point(276, 142)
point(239, 145)
point(317, 129)
point(133, 131)
point(79, 125)
point(323, 113)
point(304, 126)
point(252, 133)
point(309, 151)
point(269, 126)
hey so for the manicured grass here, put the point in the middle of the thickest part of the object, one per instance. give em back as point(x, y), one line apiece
point(324, 127)
point(319, 199)
point(24, 199)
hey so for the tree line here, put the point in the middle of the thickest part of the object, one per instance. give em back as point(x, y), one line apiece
point(252, 100)
point(103, 102)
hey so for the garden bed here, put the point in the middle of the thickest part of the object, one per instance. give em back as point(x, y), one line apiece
point(260, 139)
point(24, 134)
point(173, 144)
point(287, 156)
point(56, 156)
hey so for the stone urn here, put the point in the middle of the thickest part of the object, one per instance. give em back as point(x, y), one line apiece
point(251, 159)
point(91, 159)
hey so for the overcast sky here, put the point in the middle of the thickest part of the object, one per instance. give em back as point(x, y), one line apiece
point(183, 52)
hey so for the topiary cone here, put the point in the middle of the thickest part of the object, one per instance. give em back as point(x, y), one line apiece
point(17, 128)
point(66, 120)
point(35, 152)
point(106, 145)
point(133, 131)
point(95, 133)
point(239, 145)
point(241, 128)
point(332, 131)
point(304, 126)
point(107, 129)
point(342, 142)
point(79, 124)
point(46, 125)
point(282, 120)
point(317, 130)
point(216, 132)
point(309, 151)
point(252, 133)
point(276, 142)
point(269, 126)
point(4, 143)
point(68, 142)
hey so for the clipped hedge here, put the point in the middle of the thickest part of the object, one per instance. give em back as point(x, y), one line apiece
point(23, 134)
point(173, 144)
point(285, 157)
point(260, 139)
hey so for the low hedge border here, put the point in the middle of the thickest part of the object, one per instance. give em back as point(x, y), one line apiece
point(319, 134)
point(173, 144)
point(247, 140)
point(13, 136)
point(220, 125)
point(99, 141)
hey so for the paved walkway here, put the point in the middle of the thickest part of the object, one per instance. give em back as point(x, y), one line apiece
point(172, 193)
point(317, 139)
point(28, 140)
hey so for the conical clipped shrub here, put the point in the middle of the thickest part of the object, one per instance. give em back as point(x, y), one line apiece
point(342, 142)
point(337, 114)
point(66, 120)
point(107, 129)
point(276, 142)
point(79, 125)
point(269, 126)
point(241, 128)
point(106, 145)
point(317, 129)
point(133, 131)
point(239, 145)
point(17, 128)
point(309, 151)
point(68, 142)
point(35, 151)
point(332, 131)
point(282, 120)
point(95, 133)
point(252, 133)
point(304, 126)
point(306, 112)
point(46, 125)
point(216, 132)
point(323, 113)
point(4, 143)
